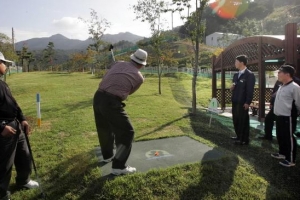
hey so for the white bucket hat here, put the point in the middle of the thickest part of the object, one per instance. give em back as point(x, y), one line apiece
point(140, 56)
point(3, 59)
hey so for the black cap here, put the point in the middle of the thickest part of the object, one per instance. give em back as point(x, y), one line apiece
point(287, 69)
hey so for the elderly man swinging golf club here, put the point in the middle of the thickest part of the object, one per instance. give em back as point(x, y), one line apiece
point(112, 122)
point(13, 146)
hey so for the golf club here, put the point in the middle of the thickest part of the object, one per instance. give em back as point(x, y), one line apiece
point(111, 47)
point(42, 195)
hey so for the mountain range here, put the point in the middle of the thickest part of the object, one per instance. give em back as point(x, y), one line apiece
point(64, 43)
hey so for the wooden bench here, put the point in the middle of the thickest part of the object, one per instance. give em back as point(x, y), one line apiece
point(255, 107)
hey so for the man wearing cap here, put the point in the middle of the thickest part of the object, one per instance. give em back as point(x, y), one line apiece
point(112, 122)
point(271, 117)
point(287, 99)
point(13, 146)
point(242, 94)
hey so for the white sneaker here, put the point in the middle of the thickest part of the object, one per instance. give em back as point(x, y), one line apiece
point(127, 170)
point(31, 185)
point(287, 163)
point(108, 159)
point(278, 156)
point(7, 197)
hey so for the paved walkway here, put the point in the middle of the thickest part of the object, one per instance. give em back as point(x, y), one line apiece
point(254, 123)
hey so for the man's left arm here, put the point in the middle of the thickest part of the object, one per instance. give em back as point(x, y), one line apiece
point(250, 88)
point(296, 96)
point(23, 121)
point(138, 84)
point(20, 115)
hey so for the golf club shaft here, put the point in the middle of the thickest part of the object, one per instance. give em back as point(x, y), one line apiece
point(113, 56)
point(34, 166)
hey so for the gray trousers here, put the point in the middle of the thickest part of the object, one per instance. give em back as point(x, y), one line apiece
point(14, 150)
point(113, 125)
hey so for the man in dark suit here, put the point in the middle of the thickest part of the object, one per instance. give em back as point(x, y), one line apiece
point(242, 94)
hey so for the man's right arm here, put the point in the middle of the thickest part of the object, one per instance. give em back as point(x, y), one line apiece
point(233, 83)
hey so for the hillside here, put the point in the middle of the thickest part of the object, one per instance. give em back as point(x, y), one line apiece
point(63, 43)
point(265, 17)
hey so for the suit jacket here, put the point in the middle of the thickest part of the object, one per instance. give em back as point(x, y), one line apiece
point(244, 87)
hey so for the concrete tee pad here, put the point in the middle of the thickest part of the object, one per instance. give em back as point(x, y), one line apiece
point(162, 153)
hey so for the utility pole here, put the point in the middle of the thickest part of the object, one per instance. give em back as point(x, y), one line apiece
point(172, 18)
point(13, 39)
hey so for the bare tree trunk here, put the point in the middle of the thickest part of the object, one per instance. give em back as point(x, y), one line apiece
point(194, 83)
point(159, 78)
point(195, 74)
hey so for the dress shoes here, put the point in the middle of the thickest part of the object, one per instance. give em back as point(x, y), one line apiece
point(234, 138)
point(240, 143)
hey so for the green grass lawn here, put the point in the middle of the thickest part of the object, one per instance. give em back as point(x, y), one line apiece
point(64, 145)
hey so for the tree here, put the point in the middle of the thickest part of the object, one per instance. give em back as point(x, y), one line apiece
point(81, 60)
point(25, 58)
point(196, 30)
point(275, 23)
point(246, 27)
point(96, 28)
point(258, 10)
point(90, 59)
point(48, 54)
point(30, 58)
point(150, 11)
point(205, 58)
point(6, 47)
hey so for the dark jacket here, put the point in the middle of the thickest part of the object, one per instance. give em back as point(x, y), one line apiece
point(9, 109)
point(244, 88)
point(274, 91)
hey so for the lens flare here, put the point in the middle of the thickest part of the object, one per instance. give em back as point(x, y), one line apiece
point(229, 9)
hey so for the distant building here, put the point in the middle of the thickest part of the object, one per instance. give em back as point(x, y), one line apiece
point(218, 39)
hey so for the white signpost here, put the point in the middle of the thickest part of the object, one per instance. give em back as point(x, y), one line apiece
point(213, 108)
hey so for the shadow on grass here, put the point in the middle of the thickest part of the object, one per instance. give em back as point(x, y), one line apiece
point(79, 105)
point(71, 178)
point(209, 182)
point(70, 106)
point(60, 73)
point(284, 182)
point(161, 127)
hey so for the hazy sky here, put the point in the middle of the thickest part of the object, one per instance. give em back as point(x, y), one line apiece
point(43, 18)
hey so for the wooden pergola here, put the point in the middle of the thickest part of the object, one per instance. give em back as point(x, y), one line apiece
point(265, 53)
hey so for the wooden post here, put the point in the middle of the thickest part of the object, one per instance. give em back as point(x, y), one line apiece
point(214, 79)
point(262, 82)
point(223, 103)
point(291, 45)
